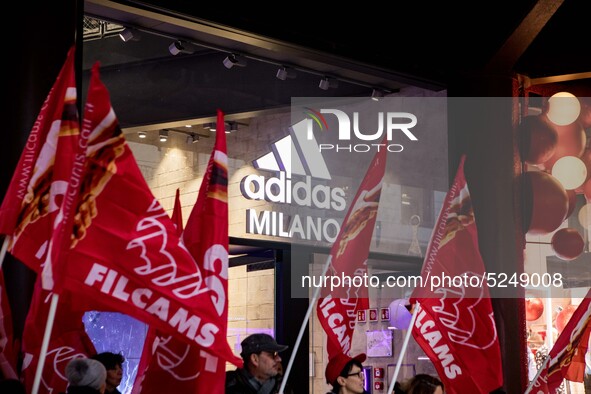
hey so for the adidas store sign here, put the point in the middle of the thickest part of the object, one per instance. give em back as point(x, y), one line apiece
point(280, 190)
point(298, 156)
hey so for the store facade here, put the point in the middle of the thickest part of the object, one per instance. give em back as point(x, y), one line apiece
point(277, 233)
point(154, 90)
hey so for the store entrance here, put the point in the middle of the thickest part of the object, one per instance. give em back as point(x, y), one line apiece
point(259, 292)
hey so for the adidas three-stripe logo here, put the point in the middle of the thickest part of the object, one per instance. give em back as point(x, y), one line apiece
point(295, 154)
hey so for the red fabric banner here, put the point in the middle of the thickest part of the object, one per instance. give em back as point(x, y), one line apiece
point(337, 310)
point(177, 213)
point(38, 186)
point(153, 339)
point(68, 340)
point(566, 360)
point(124, 252)
point(176, 366)
point(8, 348)
point(455, 325)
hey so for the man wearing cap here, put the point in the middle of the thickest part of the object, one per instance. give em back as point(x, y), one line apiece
point(262, 364)
point(345, 374)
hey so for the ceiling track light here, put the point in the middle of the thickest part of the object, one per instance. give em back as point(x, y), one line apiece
point(192, 138)
point(234, 60)
point(180, 46)
point(327, 82)
point(230, 127)
point(127, 34)
point(163, 135)
point(376, 94)
point(284, 73)
point(141, 134)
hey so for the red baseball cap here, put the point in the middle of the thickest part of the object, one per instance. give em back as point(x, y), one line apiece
point(337, 363)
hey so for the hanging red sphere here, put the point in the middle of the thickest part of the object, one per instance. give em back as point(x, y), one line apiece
point(586, 158)
point(534, 307)
point(567, 243)
point(571, 142)
point(546, 202)
point(587, 190)
point(537, 140)
point(585, 115)
point(564, 316)
point(572, 202)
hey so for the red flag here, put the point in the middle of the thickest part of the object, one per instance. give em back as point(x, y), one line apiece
point(566, 360)
point(175, 365)
point(177, 213)
point(38, 185)
point(124, 251)
point(348, 259)
point(68, 340)
point(8, 348)
point(153, 338)
point(455, 326)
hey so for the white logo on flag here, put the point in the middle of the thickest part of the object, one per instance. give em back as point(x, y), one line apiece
point(456, 313)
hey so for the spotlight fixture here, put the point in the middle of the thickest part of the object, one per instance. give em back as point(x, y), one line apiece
point(230, 127)
point(376, 94)
point(126, 34)
point(193, 138)
point(141, 134)
point(285, 72)
point(328, 82)
point(234, 60)
point(163, 135)
point(180, 46)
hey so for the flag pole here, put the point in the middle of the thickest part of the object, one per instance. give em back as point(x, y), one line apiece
point(45, 343)
point(535, 379)
point(4, 249)
point(404, 345)
point(303, 327)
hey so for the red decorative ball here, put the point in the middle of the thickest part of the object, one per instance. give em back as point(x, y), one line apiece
point(586, 158)
point(572, 202)
point(567, 243)
point(564, 316)
point(571, 142)
point(538, 140)
point(534, 307)
point(585, 115)
point(545, 202)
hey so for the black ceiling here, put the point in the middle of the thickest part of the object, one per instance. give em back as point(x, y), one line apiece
point(411, 43)
point(434, 39)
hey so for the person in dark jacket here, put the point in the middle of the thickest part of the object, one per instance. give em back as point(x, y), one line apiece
point(86, 376)
point(262, 367)
point(113, 362)
point(424, 384)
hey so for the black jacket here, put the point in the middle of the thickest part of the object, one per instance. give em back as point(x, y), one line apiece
point(237, 383)
point(81, 390)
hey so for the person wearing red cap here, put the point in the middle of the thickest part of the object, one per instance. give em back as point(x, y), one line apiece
point(345, 374)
